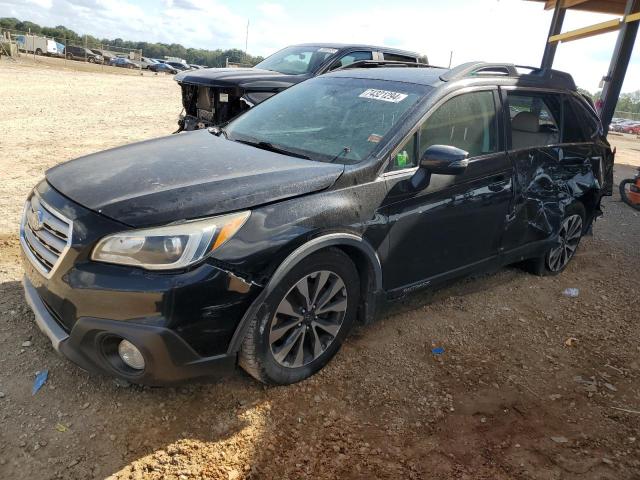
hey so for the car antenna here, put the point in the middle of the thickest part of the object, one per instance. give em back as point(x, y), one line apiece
point(344, 151)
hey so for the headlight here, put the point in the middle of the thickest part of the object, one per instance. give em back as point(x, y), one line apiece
point(171, 246)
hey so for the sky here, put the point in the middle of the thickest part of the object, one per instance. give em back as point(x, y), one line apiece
point(493, 30)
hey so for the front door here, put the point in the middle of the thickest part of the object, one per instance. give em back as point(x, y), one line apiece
point(457, 221)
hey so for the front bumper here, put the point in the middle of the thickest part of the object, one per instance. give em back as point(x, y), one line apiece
point(168, 358)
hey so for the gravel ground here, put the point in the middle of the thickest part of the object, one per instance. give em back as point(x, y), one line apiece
point(532, 384)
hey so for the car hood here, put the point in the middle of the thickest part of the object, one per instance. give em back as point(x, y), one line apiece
point(184, 176)
point(247, 78)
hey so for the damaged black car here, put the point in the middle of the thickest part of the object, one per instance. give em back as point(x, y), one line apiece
point(262, 243)
point(216, 95)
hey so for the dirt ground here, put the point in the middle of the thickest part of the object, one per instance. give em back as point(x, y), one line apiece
point(511, 397)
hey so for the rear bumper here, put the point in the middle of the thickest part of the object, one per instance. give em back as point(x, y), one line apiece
point(89, 344)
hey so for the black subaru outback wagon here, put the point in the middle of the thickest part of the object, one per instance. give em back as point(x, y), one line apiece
point(261, 243)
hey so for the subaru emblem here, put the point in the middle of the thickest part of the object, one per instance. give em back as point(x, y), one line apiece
point(35, 219)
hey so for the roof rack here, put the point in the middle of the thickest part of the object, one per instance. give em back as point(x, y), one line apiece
point(384, 63)
point(548, 77)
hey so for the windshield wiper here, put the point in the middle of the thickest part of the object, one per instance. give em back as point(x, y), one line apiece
point(273, 148)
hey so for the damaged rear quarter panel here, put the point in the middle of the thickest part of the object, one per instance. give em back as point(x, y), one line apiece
point(548, 180)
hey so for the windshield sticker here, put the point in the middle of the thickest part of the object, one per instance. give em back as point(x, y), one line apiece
point(374, 138)
point(383, 95)
point(327, 50)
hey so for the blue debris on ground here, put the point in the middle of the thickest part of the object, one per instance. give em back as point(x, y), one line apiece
point(41, 379)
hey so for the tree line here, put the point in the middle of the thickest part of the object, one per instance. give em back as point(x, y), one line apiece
point(627, 102)
point(200, 56)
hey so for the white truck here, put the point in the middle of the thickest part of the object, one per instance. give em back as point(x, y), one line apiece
point(36, 44)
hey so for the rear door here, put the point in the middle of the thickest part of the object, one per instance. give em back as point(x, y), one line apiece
point(554, 161)
point(457, 221)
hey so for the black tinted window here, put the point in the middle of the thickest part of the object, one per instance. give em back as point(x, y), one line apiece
point(588, 118)
point(571, 126)
point(399, 58)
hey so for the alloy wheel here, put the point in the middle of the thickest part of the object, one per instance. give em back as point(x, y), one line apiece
point(569, 237)
point(308, 319)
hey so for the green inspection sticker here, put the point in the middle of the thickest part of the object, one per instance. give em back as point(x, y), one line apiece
point(402, 158)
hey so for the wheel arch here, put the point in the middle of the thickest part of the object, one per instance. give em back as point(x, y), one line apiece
point(358, 249)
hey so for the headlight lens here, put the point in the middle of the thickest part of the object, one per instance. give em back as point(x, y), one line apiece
point(171, 246)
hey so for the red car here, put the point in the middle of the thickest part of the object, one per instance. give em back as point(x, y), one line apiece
point(633, 128)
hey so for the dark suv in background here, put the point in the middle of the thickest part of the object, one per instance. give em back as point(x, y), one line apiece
point(262, 243)
point(215, 95)
point(73, 52)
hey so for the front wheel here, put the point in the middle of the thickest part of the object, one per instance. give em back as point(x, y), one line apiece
point(569, 236)
point(630, 193)
point(304, 320)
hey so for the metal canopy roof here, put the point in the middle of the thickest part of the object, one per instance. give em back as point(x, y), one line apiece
point(614, 7)
point(627, 27)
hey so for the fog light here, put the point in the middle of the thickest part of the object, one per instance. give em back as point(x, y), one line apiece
point(131, 355)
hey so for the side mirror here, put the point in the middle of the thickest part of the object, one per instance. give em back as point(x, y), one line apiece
point(441, 160)
point(444, 160)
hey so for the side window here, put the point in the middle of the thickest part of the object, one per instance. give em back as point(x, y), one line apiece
point(590, 120)
point(534, 120)
point(353, 57)
point(467, 121)
point(398, 58)
point(571, 126)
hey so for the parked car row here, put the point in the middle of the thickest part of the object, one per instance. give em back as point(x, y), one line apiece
point(623, 125)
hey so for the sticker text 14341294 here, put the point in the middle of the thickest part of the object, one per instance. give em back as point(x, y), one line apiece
point(383, 95)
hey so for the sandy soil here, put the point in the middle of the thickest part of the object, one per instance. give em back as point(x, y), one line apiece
point(511, 397)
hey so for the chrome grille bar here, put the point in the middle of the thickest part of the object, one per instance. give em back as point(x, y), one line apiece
point(45, 235)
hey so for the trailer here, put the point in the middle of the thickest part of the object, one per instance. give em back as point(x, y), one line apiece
point(36, 44)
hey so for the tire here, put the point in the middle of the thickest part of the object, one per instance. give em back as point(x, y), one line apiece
point(573, 228)
point(69, 56)
point(287, 343)
point(38, 52)
point(91, 60)
point(623, 193)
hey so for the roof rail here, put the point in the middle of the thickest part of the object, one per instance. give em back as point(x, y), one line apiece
point(548, 77)
point(384, 63)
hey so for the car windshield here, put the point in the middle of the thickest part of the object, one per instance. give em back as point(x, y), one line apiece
point(297, 60)
point(327, 119)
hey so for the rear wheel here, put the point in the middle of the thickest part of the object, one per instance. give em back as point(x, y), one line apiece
point(304, 320)
point(38, 52)
point(630, 193)
point(569, 236)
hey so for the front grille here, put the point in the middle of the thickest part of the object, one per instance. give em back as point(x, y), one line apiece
point(45, 235)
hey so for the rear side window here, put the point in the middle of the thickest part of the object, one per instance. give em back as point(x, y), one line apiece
point(399, 58)
point(571, 127)
point(535, 119)
point(589, 120)
point(467, 121)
